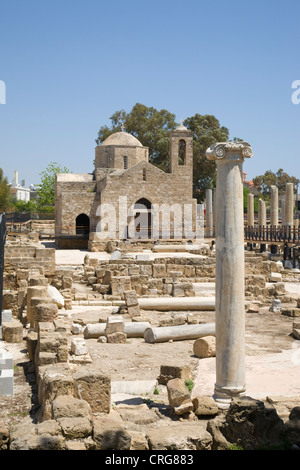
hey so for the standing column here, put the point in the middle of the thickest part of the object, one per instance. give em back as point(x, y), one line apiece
point(230, 290)
point(262, 214)
point(274, 216)
point(262, 222)
point(289, 205)
point(274, 206)
point(250, 210)
point(209, 213)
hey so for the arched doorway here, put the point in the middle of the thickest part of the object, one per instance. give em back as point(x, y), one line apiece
point(82, 225)
point(143, 218)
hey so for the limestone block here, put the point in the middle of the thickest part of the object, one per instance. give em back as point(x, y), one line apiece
point(168, 372)
point(61, 326)
point(78, 347)
point(94, 387)
point(184, 408)
point(114, 324)
point(46, 358)
point(76, 329)
point(175, 319)
point(37, 281)
point(253, 308)
point(110, 434)
point(131, 298)
point(45, 312)
point(205, 347)
point(52, 341)
point(67, 282)
point(138, 441)
point(10, 299)
point(117, 337)
point(54, 381)
point(189, 271)
point(180, 437)
point(67, 406)
point(134, 311)
point(159, 270)
point(279, 288)
point(146, 269)
point(205, 406)
point(102, 339)
point(34, 291)
point(68, 304)
point(119, 284)
point(56, 296)
point(62, 353)
point(31, 343)
point(133, 270)
point(12, 331)
point(177, 393)
point(45, 327)
point(76, 428)
point(275, 277)
point(116, 255)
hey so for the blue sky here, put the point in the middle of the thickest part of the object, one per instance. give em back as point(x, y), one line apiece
point(68, 65)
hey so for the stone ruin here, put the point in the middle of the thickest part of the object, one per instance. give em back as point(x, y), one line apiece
point(74, 394)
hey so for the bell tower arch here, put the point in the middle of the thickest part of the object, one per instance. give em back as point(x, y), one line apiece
point(181, 150)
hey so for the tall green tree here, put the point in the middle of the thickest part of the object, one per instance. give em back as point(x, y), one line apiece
point(207, 131)
point(269, 178)
point(5, 197)
point(46, 190)
point(150, 126)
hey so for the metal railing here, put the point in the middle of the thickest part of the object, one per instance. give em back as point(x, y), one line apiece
point(281, 234)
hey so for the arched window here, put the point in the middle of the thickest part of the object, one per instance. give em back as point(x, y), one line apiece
point(181, 152)
point(144, 175)
point(125, 162)
point(82, 224)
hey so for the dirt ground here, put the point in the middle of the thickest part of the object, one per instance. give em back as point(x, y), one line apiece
point(268, 339)
point(266, 333)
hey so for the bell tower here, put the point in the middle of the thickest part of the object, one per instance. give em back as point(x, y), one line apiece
point(181, 151)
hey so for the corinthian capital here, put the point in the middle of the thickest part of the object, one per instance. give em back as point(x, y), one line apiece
point(229, 151)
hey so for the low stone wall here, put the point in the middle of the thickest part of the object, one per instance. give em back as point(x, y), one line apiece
point(18, 256)
point(162, 276)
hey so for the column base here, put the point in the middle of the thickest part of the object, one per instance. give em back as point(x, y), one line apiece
point(223, 396)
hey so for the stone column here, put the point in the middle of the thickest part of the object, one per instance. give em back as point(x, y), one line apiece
point(289, 205)
point(230, 296)
point(250, 210)
point(274, 206)
point(262, 214)
point(214, 207)
point(209, 213)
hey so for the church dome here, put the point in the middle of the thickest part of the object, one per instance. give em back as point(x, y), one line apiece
point(181, 128)
point(122, 139)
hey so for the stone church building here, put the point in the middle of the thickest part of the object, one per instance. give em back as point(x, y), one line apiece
point(119, 199)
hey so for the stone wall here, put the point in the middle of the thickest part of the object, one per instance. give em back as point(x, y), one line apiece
point(19, 256)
